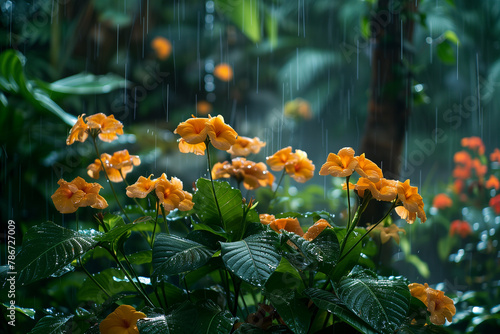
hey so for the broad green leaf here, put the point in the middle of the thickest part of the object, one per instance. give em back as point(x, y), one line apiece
point(86, 84)
point(252, 259)
point(214, 320)
point(111, 221)
point(452, 37)
point(141, 257)
point(206, 238)
point(344, 265)
point(245, 14)
point(327, 301)
point(173, 255)
point(230, 203)
point(446, 53)
point(283, 290)
point(29, 312)
point(382, 303)
point(112, 280)
point(51, 325)
point(47, 248)
point(116, 232)
point(181, 318)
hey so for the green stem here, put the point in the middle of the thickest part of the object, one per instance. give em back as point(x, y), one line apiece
point(109, 181)
point(156, 223)
point(276, 190)
point(164, 218)
point(186, 286)
point(212, 182)
point(368, 232)
point(236, 286)
point(92, 278)
point(226, 287)
point(367, 197)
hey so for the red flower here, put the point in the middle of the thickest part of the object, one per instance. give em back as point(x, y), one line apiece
point(460, 227)
point(442, 201)
point(495, 204)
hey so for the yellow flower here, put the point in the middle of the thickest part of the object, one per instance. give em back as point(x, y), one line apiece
point(75, 194)
point(287, 224)
point(253, 175)
point(341, 164)
point(244, 146)
point(369, 169)
point(109, 128)
point(300, 169)
point(119, 161)
point(386, 233)
point(383, 190)
point(142, 187)
point(412, 205)
point(171, 195)
point(266, 219)
point(440, 306)
point(162, 47)
point(223, 72)
point(198, 149)
point(123, 320)
point(316, 229)
point(193, 131)
point(222, 136)
point(78, 131)
point(282, 157)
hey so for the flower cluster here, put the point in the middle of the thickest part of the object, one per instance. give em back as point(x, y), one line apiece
point(297, 165)
point(440, 306)
point(293, 225)
point(244, 146)
point(107, 128)
point(76, 194)
point(460, 227)
point(253, 175)
point(117, 165)
point(344, 164)
point(169, 193)
point(196, 131)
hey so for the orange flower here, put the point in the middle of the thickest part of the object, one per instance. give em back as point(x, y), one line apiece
point(287, 224)
point(369, 169)
point(442, 201)
point(298, 108)
point(198, 149)
point(493, 182)
point(282, 157)
point(316, 229)
point(203, 107)
point(75, 194)
point(266, 219)
point(383, 190)
point(109, 128)
point(495, 204)
point(78, 131)
point(440, 306)
point(223, 72)
point(480, 168)
point(142, 187)
point(474, 143)
point(244, 146)
point(120, 161)
point(464, 165)
point(123, 320)
point(171, 195)
point(386, 233)
point(301, 169)
point(458, 186)
point(193, 131)
point(341, 164)
point(412, 203)
point(460, 227)
point(222, 136)
point(253, 175)
point(162, 47)
point(495, 156)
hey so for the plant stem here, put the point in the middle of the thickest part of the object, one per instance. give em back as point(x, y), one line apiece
point(236, 286)
point(212, 182)
point(164, 218)
point(156, 223)
point(92, 278)
point(367, 197)
point(276, 190)
point(107, 178)
point(368, 232)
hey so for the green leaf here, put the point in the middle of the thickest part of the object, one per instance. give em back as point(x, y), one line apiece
point(422, 267)
point(283, 290)
point(112, 280)
point(382, 303)
point(173, 255)
point(446, 53)
point(86, 84)
point(141, 257)
point(47, 249)
point(111, 221)
point(29, 312)
point(244, 14)
point(118, 230)
point(214, 320)
point(327, 301)
point(252, 259)
point(343, 267)
point(452, 37)
point(230, 203)
point(51, 325)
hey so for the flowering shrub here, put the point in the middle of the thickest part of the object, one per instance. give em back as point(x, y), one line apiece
point(232, 267)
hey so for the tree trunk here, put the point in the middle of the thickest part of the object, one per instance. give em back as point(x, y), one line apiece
point(390, 100)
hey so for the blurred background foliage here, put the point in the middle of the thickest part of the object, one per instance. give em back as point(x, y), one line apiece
point(75, 57)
